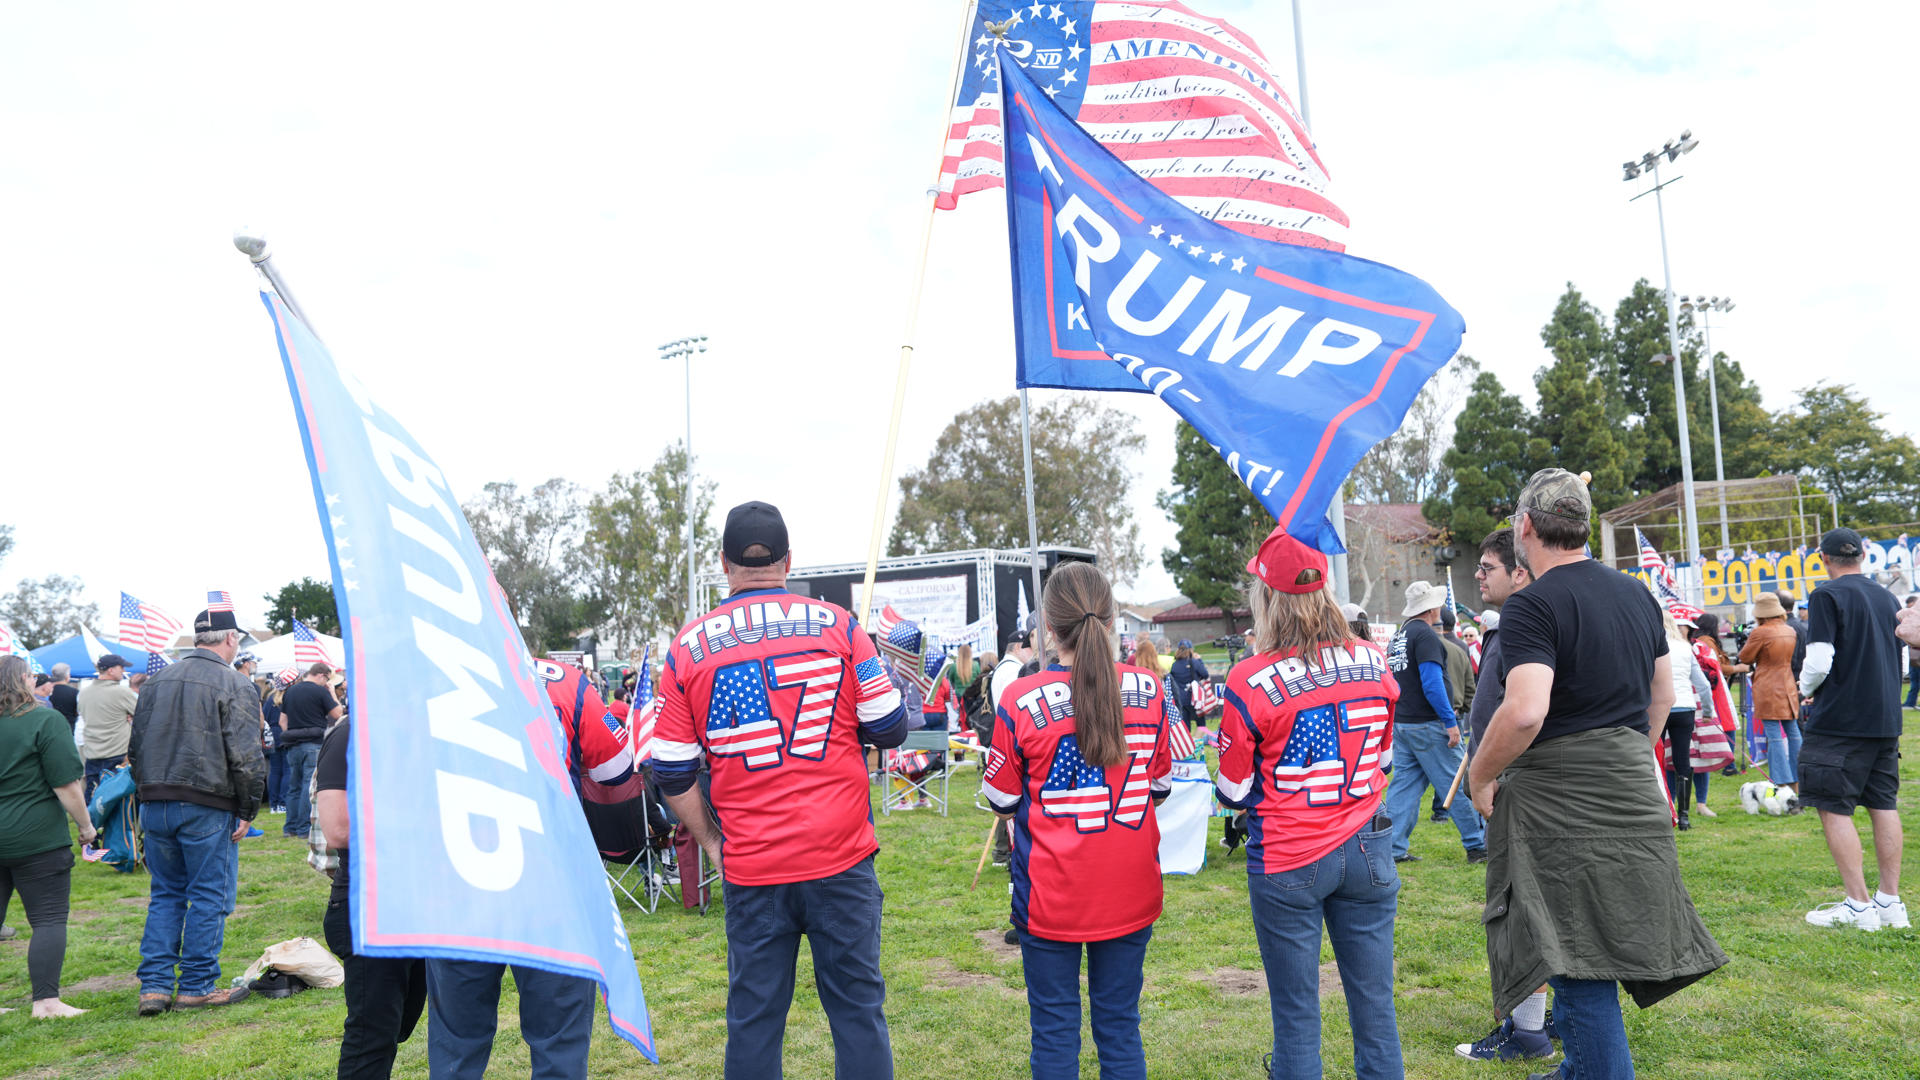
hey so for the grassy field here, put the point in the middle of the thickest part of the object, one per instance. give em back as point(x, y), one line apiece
point(1795, 1001)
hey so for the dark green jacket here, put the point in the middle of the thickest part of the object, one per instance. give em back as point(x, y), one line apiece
point(1583, 879)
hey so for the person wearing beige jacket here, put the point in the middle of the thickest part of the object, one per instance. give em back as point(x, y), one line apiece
point(1776, 701)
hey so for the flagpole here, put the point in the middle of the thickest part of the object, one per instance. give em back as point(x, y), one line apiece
point(913, 322)
point(1337, 509)
point(254, 247)
point(1033, 531)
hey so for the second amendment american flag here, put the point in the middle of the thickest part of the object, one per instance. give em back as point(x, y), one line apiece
point(1187, 101)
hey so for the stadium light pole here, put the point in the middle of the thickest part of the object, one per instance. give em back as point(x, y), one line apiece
point(1705, 306)
point(684, 348)
point(1650, 162)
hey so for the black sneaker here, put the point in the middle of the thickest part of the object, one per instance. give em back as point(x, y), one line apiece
point(1507, 1043)
point(1556, 1074)
point(1476, 854)
point(1439, 816)
point(1406, 858)
point(1013, 936)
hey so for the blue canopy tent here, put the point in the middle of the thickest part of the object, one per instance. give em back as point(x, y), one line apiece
point(79, 652)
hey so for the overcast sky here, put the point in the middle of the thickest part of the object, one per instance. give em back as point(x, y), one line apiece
point(495, 214)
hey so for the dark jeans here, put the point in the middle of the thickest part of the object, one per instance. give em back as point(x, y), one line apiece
point(840, 916)
point(1586, 1013)
point(463, 1011)
point(190, 866)
point(276, 777)
point(1354, 890)
point(1114, 975)
point(1680, 768)
point(44, 881)
point(97, 770)
point(1913, 686)
point(385, 995)
point(301, 758)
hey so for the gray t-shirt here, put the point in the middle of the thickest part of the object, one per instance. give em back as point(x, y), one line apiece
point(107, 708)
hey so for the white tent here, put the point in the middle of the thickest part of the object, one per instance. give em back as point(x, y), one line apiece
point(276, 652)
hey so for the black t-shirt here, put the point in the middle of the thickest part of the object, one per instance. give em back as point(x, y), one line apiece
point(1415, 644)
point(330, 774)
point(1600, 631)
point(305, 707)
point(1861, 695)
point(65, 700)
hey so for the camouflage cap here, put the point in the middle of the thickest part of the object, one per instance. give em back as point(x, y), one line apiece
point(1560, 493)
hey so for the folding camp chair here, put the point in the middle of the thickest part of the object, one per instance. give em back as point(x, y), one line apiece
point(630, 834)
point(899, 787)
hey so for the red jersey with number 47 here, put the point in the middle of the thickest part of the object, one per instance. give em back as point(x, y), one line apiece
point(1086, 845)
point(772, 690)
point(1304, 744)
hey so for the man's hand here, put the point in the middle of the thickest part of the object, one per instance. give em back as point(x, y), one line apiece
point(240, 827)
point(712, 849)
point(88, 834)
point(1483, 798)
point(1453, 737)
point(1908, 628)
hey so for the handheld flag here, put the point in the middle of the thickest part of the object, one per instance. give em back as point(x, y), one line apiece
point(143, 626)
point(643, 712)
point(1660, 580)
point(308, 649)
point(468, 840)
point(1291, 362)
point(917, 654)
point(219, 600)
point(1186, 100)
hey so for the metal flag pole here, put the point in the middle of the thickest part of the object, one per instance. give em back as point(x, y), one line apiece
point(1337, 509)
point(913, 322)
point(1033, 531)
point(254, 247)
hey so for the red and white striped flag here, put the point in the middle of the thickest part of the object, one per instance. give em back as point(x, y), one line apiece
point(1206, 700)
point(640, 727)
point(1179, 738)
point(1187, 101)
point(308, 649)
point(219, 600)
point(145, 627)
point(1660, 580)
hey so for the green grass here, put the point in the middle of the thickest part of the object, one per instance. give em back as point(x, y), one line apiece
point(1794, 1002)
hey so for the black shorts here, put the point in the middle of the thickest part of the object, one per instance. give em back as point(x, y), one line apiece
point(1838, 773)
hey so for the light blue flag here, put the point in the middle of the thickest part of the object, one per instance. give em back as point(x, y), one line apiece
point(1291, 361)
point(468, 841)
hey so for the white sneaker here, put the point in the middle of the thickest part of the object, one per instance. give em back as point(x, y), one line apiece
point(1892, 916)
point(1841, 913)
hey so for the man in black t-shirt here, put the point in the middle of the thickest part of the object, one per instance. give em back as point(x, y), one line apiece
point(1584, 876)
point(65, 697)
point(1426, 733)
point(385, 994)
point(306, 709)
point(1851, 754)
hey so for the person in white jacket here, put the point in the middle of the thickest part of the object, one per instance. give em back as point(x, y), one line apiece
point(1691, 696)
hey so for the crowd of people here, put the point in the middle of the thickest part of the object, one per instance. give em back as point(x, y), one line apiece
point(1567, 742)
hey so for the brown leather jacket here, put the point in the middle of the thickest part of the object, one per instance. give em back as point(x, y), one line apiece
point(1770, 649)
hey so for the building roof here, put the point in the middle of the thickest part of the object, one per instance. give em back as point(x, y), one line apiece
point(1191, 613)
point(1400, 521)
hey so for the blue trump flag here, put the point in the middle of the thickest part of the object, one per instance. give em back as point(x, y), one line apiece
point(1290, 361)
point(468, 838)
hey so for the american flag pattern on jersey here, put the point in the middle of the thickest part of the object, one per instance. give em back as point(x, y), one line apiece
point(219, 600)
point(1136, 791)
point(1076, 788)
point(1660, 580)
point(1311, 761)
point(818, 676)
point(740, 720)
point(1372, 717)
point(144, 626)
point(1187, 101)
point(307, 647)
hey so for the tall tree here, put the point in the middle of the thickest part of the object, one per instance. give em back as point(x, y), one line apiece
point(1219, 522)
point(634, 547)
point(1834, 439)
point(1579, 438)
point(1577, 331)
point(532, 539)
point(310, 599)
point(44, 611)
point(971, 491)
point(1494, 451)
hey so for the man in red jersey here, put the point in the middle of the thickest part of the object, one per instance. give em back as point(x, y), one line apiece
point(779, 693)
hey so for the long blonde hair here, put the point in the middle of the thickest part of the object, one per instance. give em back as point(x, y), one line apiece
point(1146, 656)
point(1079, 607)
point(16, 686)
point(963, 664)
point(1296, 623)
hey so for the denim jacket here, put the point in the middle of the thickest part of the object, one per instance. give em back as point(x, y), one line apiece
point(196, 737)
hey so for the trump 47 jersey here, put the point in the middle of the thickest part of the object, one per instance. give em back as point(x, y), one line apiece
point(597, 739)
point(1304, 744)
point(1086, 845)
point(776, 691)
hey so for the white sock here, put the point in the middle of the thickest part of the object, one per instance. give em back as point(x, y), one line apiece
point(1531, 1014)
point(1858, 905)
point(1883, 899)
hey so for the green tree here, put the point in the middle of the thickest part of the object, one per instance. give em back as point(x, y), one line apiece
point(1835, 441)
point(1494, 451)
point(44, 611)
point(1573, 423)
point(311, 600)
point(634, 547)
point(971, 492)
point(532, 539)
point(1219, 522)
point(1578, 332)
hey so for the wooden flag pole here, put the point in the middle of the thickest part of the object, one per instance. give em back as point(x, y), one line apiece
point(986, 849)
point(1457, 775)
point(913, 322)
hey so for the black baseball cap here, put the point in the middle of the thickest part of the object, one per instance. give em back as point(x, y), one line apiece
point(208, 621)
point(110, 660)
point(753, 523)
point(1841, 544)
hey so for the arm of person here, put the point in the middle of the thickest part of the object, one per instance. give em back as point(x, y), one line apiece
point(1238, 739)
point(76, 808)
point(1702, 689)
point(879, 706)
point(1663, 697)
point(676, 763)
point(1908, 628)
point(1433, 683)
point(1004, 781)
point(1822, 620)
point(1513, 728)
point(330, 811)
point(246, 762)
point(1160, 767)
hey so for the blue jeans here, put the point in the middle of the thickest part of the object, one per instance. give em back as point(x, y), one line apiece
point(463, 1012)
point(276, 777)
point(1586, 1012)
point(1421, 757)
point(1354, 890)
point(840, 916)
point(1114, 976)
point(1783, 750)
point(190, 865)
point(97, 770)
point(301, 758)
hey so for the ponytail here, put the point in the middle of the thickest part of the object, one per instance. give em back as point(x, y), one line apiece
point(1079, 607)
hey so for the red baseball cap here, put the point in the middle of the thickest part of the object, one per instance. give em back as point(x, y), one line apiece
point(1288, 565)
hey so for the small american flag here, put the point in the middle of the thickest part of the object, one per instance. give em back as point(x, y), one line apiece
point(1660, 580)
point(1076, 788)
point(155, 662)
point(740, 719)
point(1311, 760)
point(308, 649)
point(1179, 739)
point(917, 655)
point(1206, 700)
point(219, 600)
point(143, 626)
point(645, 712)
point(872, 677)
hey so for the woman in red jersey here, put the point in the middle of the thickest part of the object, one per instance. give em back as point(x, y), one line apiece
point(1304, 744)
point(1079, 760)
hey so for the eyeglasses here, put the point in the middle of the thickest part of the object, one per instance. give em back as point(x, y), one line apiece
point(1484, 569)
